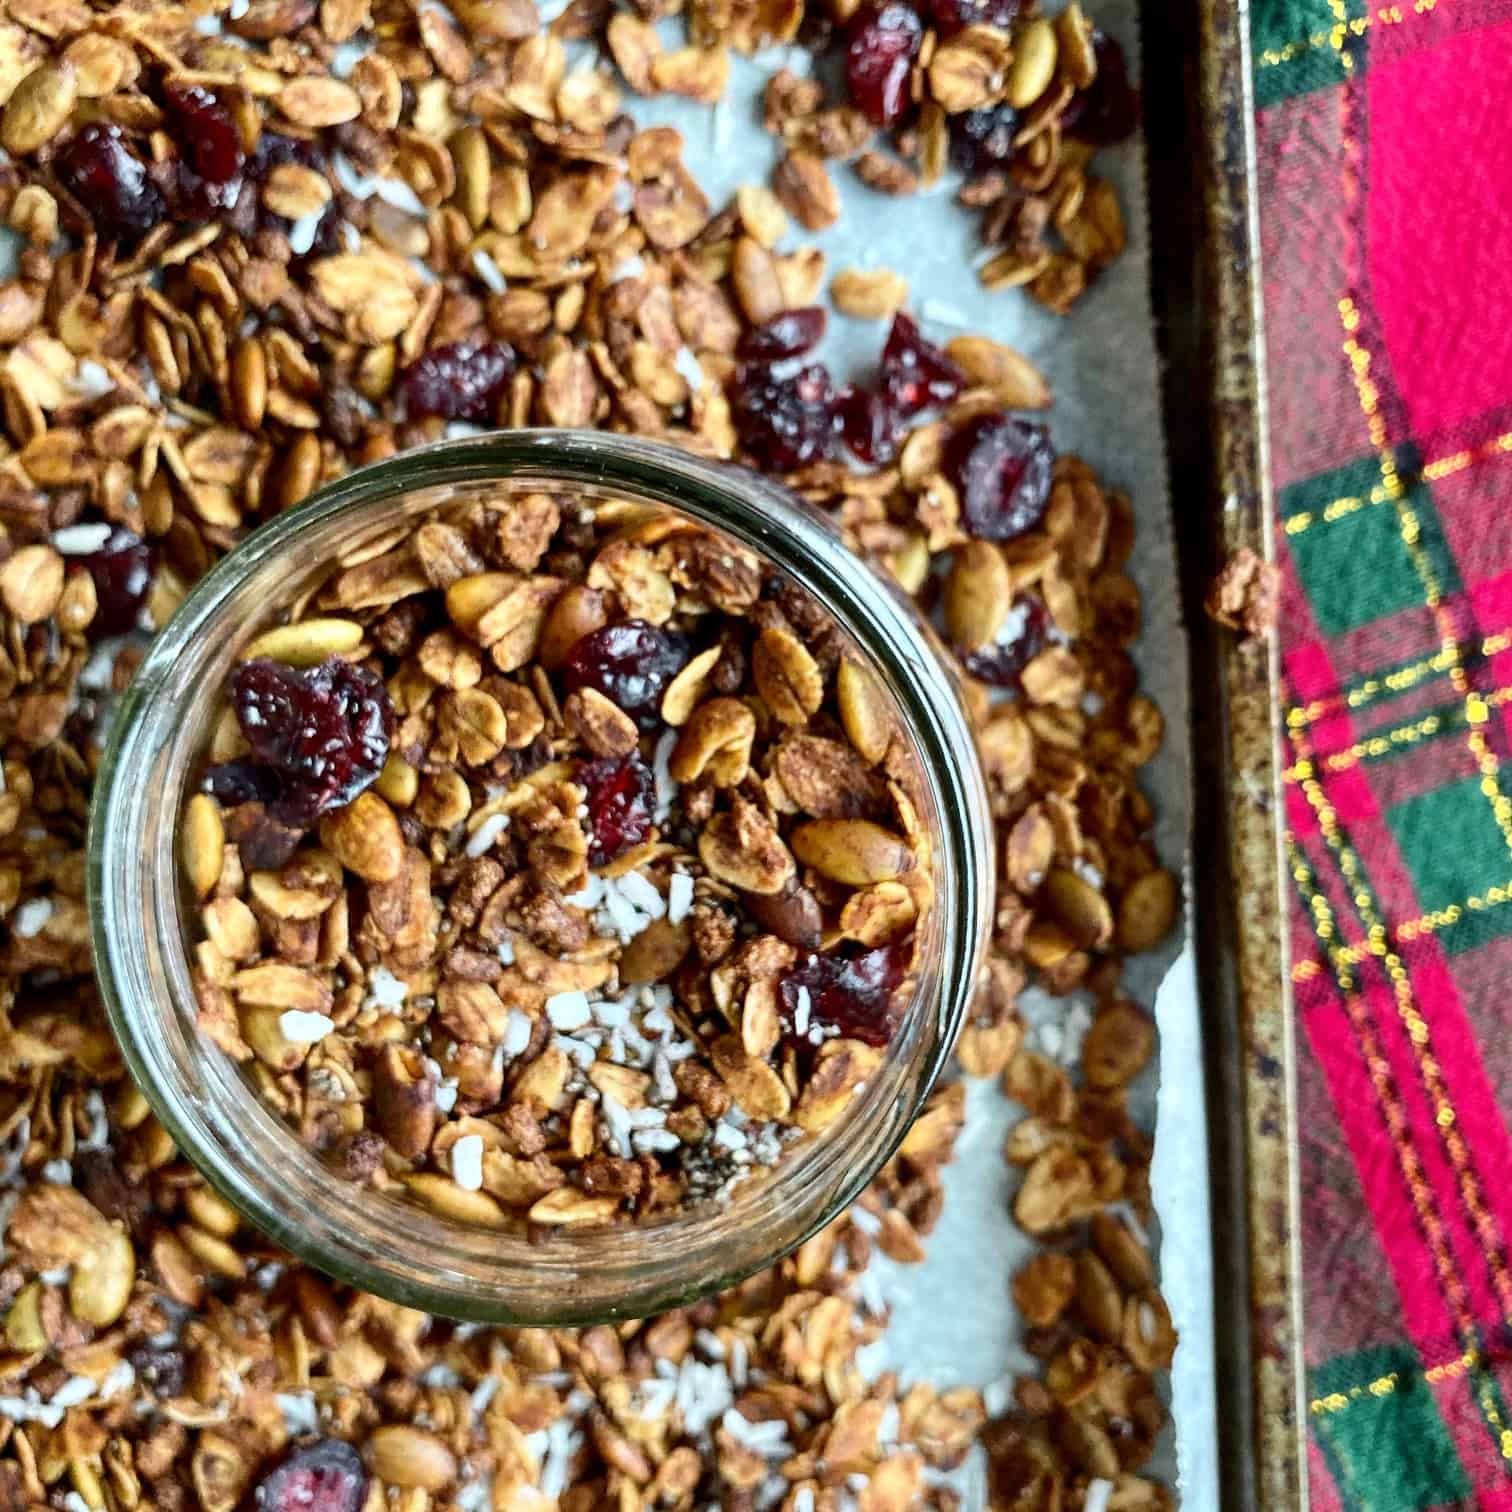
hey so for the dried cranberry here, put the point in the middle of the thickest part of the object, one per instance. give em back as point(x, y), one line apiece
point(981, 141)
point(916, 374)
point(122, 573)
point(1001, 469)
point(263, 842)
point(459, 381)
point(111, 182)
point(1107, 110)
point(210, 148)
point(1018, 642)
point(630, 663)
point(880, 49)
point(274, 149)
point(619, 798)
point(234, 782)
point(784, 423)
point(324, 731)
point(326, 1476)
point(848, 990)
point(951, 15)
point(785, 335)
point(867, 426)
point(160, 1370)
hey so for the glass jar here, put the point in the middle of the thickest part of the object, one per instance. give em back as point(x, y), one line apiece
point(143, 920)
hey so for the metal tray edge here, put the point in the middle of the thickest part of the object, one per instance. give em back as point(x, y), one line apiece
point(1200, 133)
point(1261, 1006)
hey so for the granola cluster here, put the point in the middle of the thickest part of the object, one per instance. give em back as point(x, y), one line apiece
point(268, 240)
point(558, 864)
point(1019, 101)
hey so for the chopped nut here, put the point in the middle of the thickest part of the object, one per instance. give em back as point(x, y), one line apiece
point(1243, 595)
point(806, 191)
point(869, 293)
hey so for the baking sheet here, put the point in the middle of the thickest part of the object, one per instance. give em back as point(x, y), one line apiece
point(1103, 368)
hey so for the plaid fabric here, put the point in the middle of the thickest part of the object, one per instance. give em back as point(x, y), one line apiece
point(1385, 138)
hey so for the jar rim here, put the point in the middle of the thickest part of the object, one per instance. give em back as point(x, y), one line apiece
point(132, 883)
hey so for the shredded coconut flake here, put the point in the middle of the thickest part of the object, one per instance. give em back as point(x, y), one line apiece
point(666, 786)
point(516, 1033)
point(941, 313)
point(31, 917)
point(1130, 1218)
point(643, 894)
point(346, 57)
point(679, 897)
point(803, 1006)
point(59, 1171)
point(467, 1162)
point(302, 232)
point(569, 1010)
point(489, 271)
point(74, 1390)
point(301, 1028)
point(687, 363)
point(80, 540)
point(482, 839)
point(300, 1413)
point(385, 990)
point(397, 193)
point(617, 1122)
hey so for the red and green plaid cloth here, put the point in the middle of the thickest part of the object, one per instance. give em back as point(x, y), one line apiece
point(1385, 157)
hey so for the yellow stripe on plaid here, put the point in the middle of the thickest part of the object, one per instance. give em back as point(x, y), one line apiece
point(1341, 31)
point(1336, 509)
point(1337, 1401)
point(1412, 929)
point(1446, 467)
point(1383, 744)
point(1298, 715)
point(1443, 467)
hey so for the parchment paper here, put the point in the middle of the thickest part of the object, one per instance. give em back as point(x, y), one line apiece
point(953, 1319)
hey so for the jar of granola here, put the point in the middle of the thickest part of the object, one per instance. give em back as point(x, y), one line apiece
point(540, 878)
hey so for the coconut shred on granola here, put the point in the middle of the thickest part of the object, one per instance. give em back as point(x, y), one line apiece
point(556, 864)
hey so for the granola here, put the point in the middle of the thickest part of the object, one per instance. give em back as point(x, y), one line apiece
point(1019, 101)
point(551, 868)
point(254, 233)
